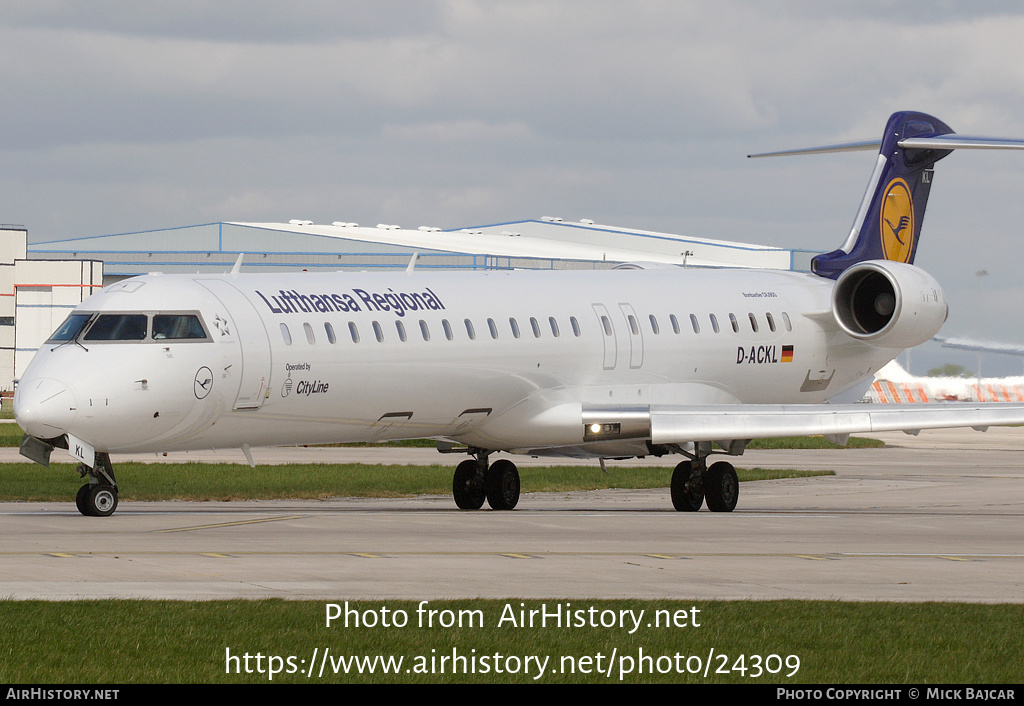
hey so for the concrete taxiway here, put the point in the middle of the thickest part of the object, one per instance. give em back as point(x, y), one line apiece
point(938, 517)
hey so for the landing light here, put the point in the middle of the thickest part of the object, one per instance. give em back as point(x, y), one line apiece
point(597, 430)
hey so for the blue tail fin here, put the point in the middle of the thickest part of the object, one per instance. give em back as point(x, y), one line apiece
point(888, 224)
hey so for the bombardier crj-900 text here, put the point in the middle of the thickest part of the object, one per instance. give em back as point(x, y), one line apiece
point(637, 361)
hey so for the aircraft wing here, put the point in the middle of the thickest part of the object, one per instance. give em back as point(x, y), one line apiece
point(981, 346)
point(670, 425)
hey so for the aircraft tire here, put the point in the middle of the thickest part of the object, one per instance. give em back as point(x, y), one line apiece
point(101, 500)
point(501, 483)
point(721, 487)
point(467, 489)
point(82, 499)
point(686, 496)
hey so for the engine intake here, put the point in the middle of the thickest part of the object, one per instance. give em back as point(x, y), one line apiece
point(890, 304)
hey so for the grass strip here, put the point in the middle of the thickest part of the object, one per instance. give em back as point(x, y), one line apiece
point(224, 481)
point(814, 442)
point(146, 642)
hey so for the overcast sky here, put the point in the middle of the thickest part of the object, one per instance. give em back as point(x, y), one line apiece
point(122, 116)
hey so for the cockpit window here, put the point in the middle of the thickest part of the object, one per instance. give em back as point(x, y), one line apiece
point(118, 327)
point(71, 327)
point(181, 326)
point(176, 326)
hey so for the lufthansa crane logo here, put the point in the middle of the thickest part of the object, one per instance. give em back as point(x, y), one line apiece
point(897, 222)
point(203, 382)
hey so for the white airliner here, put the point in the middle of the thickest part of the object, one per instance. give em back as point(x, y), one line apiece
point(893, 384)
point(601, 364)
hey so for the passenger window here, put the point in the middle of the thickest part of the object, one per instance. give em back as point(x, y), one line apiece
point(470, 331)
point(675, 323)
point(401, 331)
point(554, 326)
point(118, 327)
point(447, 329)
point(693, 322)
point(535, 326)
point(753, 322)
point(424, 331)
point(493, 327)
point(177, 326)
point(607, 325)
point(378, 332)
point(735, 324)
point(785, 320)
point(330, 332)
point(714, 323)
point(633, 325)
point(286, 334)
point(514, 325)
point(771, 321)
point(654, 325)
point(309, 334)
point(353, 331)
point(575, 326)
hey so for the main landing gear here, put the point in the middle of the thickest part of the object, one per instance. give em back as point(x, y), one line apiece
point(475, 480)
point(694, 484)
point(98, 497)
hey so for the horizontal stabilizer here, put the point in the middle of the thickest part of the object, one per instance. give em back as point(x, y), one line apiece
point(961, 142)
point(860, 146)
point(951, 141)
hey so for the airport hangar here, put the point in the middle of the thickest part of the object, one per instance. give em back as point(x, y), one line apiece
point(41, 282)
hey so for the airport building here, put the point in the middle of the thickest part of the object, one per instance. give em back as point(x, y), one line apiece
point(35, 297)
point(41, 282)
point(548, 243)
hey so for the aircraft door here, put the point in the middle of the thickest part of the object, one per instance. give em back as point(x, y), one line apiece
point(247, 329)
point(636, 336)
point(607, 329)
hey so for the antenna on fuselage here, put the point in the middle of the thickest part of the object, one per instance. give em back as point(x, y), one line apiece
point(238, 265)
point(412, 263)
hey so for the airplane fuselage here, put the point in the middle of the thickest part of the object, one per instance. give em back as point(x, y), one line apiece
point(501, 360)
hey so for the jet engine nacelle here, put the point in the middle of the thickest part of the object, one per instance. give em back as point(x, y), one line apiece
point(888, 304)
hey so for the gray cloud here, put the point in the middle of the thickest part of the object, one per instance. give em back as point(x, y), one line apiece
point(226, 21)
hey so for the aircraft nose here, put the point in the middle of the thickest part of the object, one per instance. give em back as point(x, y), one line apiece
point(44, 407)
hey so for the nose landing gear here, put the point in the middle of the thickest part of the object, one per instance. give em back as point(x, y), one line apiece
point(98, 497)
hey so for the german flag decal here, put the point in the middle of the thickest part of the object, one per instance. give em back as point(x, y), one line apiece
point(761, 355)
